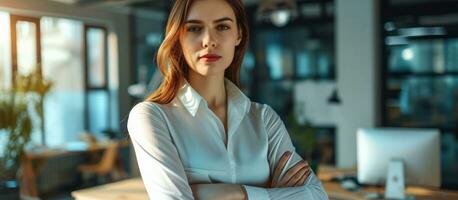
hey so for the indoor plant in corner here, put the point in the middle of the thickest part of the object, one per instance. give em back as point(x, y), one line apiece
point(17, 105)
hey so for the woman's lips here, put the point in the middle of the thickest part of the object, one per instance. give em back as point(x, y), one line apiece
point(210, 58)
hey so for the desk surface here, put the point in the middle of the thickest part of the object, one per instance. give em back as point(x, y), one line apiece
point(335, 191)
point(130, 189)
point(133, 189)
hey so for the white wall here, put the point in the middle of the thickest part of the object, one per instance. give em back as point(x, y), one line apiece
point(357, 73)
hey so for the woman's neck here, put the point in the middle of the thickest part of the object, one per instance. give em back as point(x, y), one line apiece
point(211, 88)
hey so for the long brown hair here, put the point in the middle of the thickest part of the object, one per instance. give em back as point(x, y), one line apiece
point(170, 58)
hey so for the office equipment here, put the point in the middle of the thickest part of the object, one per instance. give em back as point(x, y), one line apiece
point(328, 175)
point(414, 152)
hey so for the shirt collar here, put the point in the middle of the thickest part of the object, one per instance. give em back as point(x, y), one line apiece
point(236, 99)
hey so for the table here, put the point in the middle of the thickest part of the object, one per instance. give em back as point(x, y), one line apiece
point(129, 189)
point(335, 191)
point(29, 171)
point(133, 189)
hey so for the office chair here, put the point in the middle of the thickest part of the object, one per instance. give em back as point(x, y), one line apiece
point(107, 165)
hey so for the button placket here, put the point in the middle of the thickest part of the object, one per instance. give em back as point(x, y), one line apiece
point(231, 162)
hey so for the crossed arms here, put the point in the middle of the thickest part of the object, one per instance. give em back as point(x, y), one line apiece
point(294, 177)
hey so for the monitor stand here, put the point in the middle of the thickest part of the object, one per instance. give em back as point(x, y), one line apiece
point(395, 180)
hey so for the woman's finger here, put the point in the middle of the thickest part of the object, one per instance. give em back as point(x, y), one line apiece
point(304, 178)
point(293, 180)
point(293, 171)
point(279, 168)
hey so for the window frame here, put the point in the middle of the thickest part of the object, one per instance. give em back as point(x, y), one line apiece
point(87, 87)
point(14, 19)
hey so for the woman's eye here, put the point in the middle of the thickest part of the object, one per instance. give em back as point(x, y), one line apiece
point(223, 27)
point(193, 29)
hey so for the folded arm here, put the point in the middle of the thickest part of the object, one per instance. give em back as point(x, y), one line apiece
point(238, 192)
point(279, 143)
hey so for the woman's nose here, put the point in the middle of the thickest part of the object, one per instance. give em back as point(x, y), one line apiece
point(208, 40)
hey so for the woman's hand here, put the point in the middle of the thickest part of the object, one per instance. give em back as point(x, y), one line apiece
point(295, 176)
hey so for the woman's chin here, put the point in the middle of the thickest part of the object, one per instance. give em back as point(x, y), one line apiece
point(210, 70)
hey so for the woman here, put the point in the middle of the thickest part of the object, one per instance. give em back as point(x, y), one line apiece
point(198, 136)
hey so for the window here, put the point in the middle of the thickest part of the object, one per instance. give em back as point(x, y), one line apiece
point(420, 73)
point(26, 58)
point(97, 93)
point(5, 52)
point(422, 83)
point(62, 55)
point(96, 57)
point(5, 64)
point(296, 57)
point(74, 56)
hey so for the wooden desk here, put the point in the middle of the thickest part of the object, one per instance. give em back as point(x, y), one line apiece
point(30, 171)
point(130, 189)
point(133, 189)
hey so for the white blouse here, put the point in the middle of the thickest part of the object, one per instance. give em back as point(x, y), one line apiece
point(183, 143)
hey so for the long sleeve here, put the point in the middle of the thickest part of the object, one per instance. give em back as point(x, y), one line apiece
point(158, 160)
point(280, 142)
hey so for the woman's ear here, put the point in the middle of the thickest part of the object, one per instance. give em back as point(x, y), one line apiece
point(239, 39)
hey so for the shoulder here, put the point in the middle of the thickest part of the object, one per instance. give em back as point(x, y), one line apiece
point(147, 107)
point(268, 115)
point(262, 110)
point(146, 118)
point(146, 110)
point(144, 106)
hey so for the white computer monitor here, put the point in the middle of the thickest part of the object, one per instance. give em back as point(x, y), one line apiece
point(418, 149)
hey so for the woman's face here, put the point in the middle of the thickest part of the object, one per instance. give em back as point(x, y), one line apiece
point(209, 37)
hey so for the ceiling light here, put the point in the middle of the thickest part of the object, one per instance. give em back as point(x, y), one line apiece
point(278, 12)
point(280, 17)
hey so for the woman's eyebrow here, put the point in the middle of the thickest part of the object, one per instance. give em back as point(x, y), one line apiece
point(195, 21)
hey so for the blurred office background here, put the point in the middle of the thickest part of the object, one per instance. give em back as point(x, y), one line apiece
point(328, 67)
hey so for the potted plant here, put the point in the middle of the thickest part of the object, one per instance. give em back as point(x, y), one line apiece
point(16, 104)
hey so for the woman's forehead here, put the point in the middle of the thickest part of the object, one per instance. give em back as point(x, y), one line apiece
point(210, 10)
